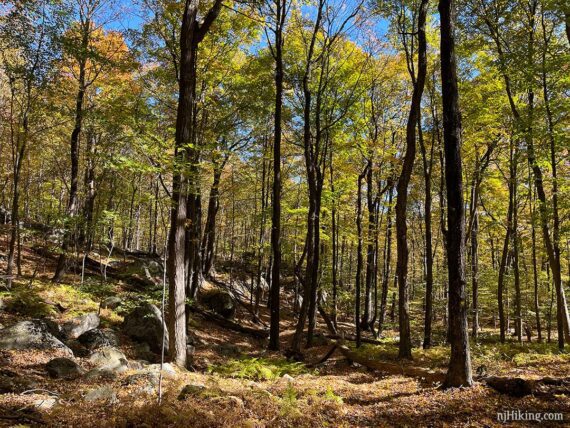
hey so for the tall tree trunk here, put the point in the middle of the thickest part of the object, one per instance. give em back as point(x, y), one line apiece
point(534, 262)
point(359, 260)
point(405, 347)
point(387, 263)
point(191, 34)
point(366, 323)
point(459, 371)
point(280, 17)
point(209, 236)
point(74, 153)
point(19, 145)
point(427, 167)
point(515, 236)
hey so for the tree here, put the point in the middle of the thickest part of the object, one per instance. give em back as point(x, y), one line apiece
point(192, 32)
point(405, 348)
point(459, 371)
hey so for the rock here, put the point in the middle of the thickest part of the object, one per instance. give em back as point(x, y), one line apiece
point(64, 368)
point(142, 377)
point(109, 362)
point(191, 390)
point(288, 378)
point(104, 393)
point(98, 338)
point(112, 302)
point(145, 324)
point(77, 326)
point(45, 403)
point(218, 301)
point(143, 352)
point(168, 370)
point(34, 334)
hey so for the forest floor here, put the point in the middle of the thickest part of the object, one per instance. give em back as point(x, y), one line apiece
point(237, 383)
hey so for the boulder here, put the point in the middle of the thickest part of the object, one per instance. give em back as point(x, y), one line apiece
point(144, 324)
point(191, 390)
point(77, 326)
point(33, 334)
point(98, 338)
point(109, 362)
point(218, 301)
point(64, 368)
point(168, 370)
point(112, 302)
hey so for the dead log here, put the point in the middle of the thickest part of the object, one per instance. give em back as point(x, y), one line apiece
point(393, 368)
point(352, 338)
point(519, 387)
point(225, 323)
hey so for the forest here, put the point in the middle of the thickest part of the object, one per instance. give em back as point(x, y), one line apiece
point(284, 213)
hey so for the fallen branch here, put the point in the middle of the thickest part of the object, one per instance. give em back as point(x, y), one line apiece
point(225, 323)
point(325, 357)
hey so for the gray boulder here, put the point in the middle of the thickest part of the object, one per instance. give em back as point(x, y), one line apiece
point(108, 361)
point(64, 368)
point(112, 302)
point(144, 324)
point(218, 301)
point(33, 334)
point(191, 390)
point(77, 326)
point(98, 338)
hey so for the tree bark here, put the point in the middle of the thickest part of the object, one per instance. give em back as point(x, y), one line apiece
point(405, 347)
point(459, 370)
point(280, 18)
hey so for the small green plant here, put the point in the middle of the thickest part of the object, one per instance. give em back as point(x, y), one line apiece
point(257, 369)
point(331, 396)
point(289, 403)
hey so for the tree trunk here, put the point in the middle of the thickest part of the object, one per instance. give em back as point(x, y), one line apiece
point(74, 154)
point(358, 256)
point(459, 371)
point(405, 347)
point(280, 17)
point(191, 34)
point(387, 263)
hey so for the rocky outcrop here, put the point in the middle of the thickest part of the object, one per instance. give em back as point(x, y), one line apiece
point(144, 324)
point(98, 338)
point(219, 302)
point(77, 326)
point(33, 334)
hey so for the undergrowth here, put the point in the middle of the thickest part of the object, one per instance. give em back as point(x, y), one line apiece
point(258, 369)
